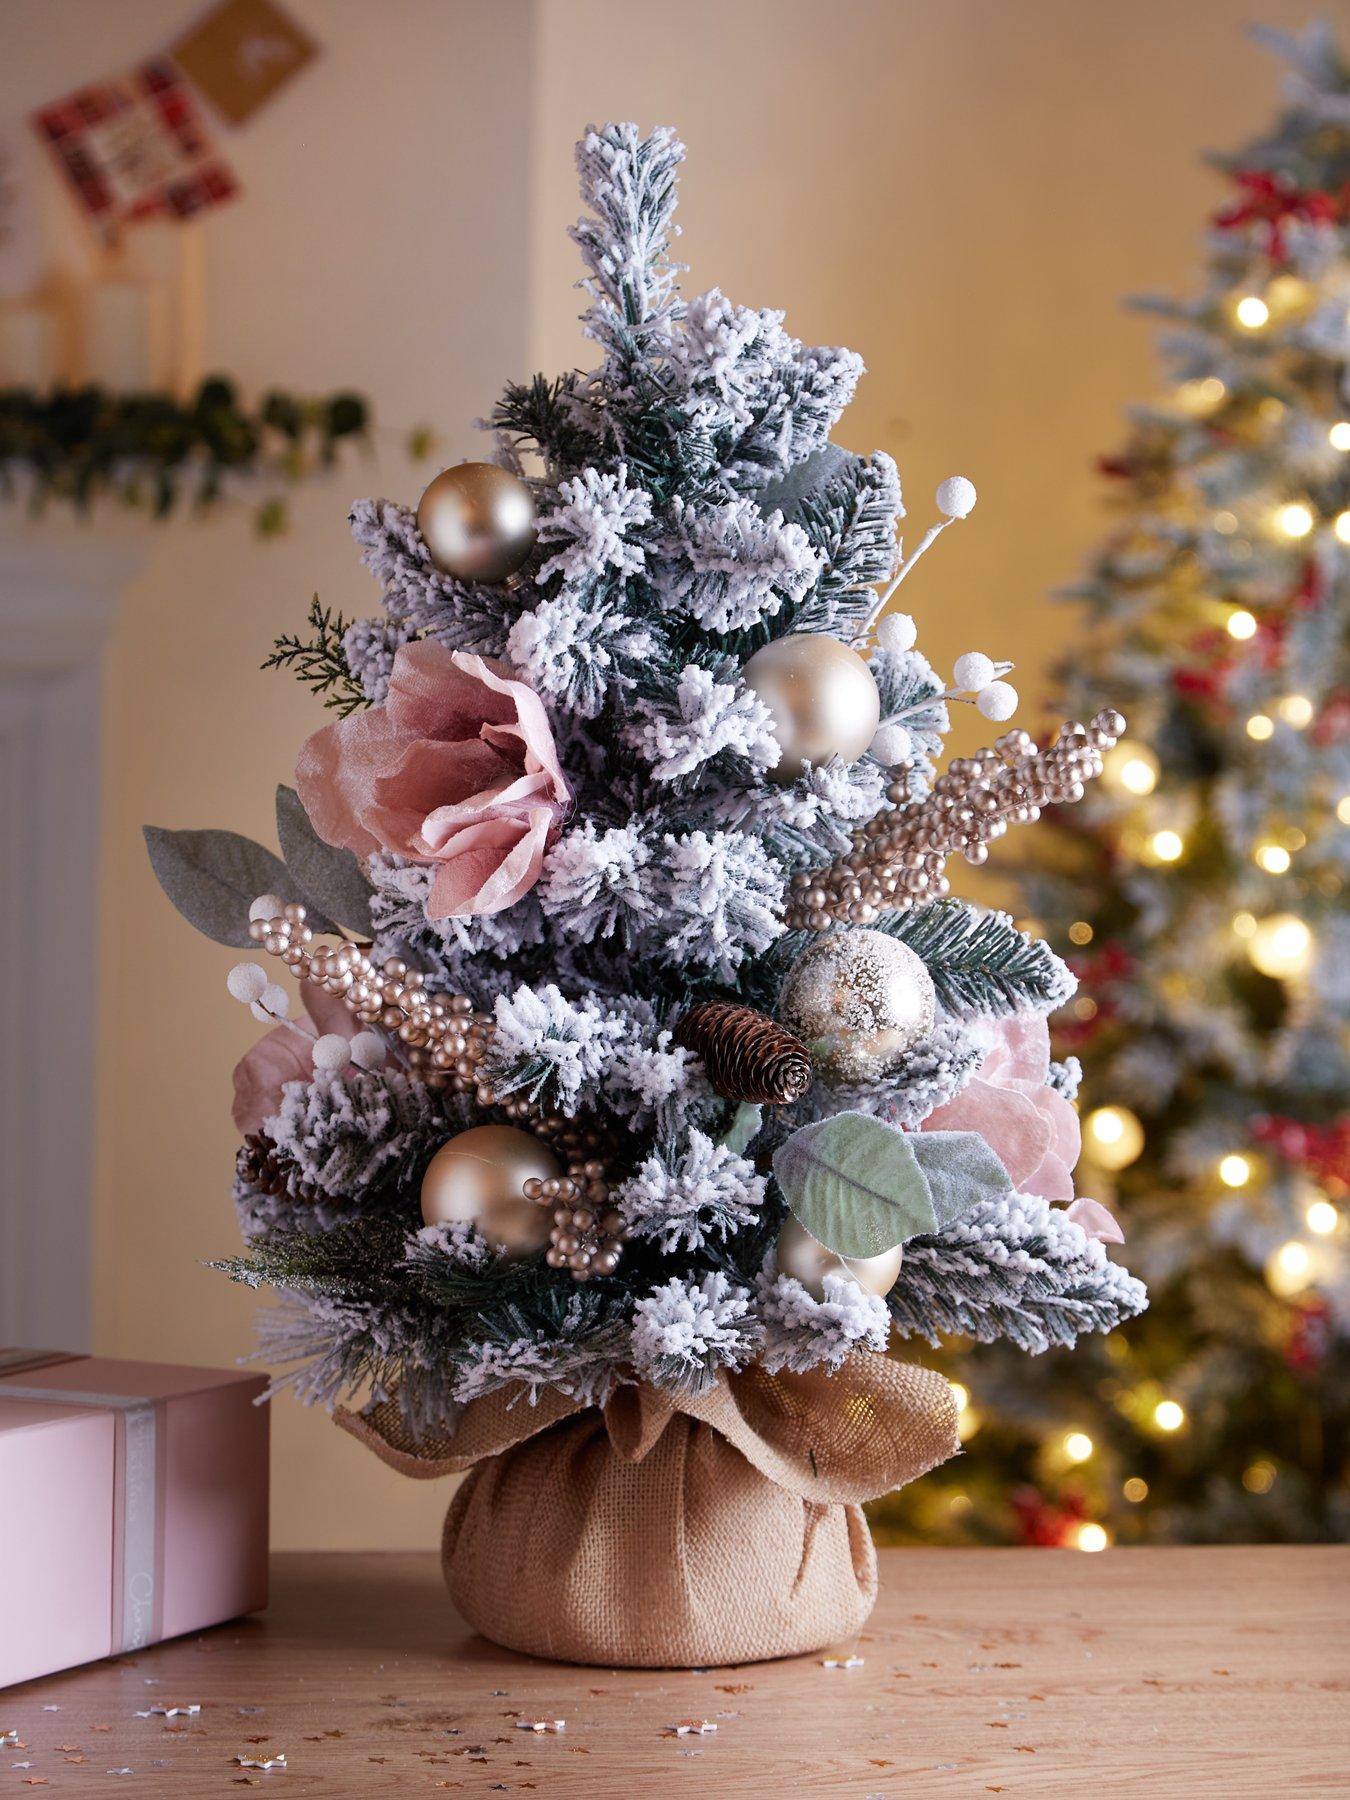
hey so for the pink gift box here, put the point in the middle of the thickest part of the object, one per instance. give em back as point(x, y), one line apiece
point(133, 1505)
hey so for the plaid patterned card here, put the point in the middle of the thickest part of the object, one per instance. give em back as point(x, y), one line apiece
point(134, 146)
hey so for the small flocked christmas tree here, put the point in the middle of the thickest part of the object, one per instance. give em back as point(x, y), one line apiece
point(1203, 891)
point(652, 1047)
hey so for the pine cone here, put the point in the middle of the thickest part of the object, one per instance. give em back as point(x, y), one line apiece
point(747, 1056)
point(263, 1167)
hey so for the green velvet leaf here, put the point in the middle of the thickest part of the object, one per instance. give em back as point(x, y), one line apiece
point(855, 1184)
point(744, 1126)
point(960, 1170)
point(213, 877)
point(331, 878)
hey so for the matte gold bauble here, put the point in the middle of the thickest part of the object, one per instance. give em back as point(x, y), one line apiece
point(800, 1255)
point(478, 1178)
point(859, 999)
point(477, 522)
point(822, 696)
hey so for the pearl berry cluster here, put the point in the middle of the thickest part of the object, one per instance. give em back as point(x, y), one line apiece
point(444, 1037)
point(899, 857)
point(445, 1041)
point(587, 1236)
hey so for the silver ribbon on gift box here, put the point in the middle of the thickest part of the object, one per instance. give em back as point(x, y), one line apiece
point(137, 1597)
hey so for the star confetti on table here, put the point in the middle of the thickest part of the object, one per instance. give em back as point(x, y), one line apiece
point(541, 1724)
point(262, 1762)
point(693, 1727)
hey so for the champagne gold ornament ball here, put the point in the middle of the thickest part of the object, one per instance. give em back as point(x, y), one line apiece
point(822, 696)
point(859, 999)
point(478, 1178)
point(477, 522)
point(804, 1258)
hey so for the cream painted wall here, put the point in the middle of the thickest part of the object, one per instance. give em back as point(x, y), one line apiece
point(960, 189)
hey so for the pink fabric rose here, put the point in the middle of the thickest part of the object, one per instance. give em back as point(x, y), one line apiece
point(285, 1054)
point(457, 768)
point(1029, 1127)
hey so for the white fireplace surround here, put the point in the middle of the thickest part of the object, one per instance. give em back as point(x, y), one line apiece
point(59, 588)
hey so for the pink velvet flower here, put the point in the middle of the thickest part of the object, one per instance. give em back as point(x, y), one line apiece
point(286, 1053)
point(457, 768)
point(1029, 1127)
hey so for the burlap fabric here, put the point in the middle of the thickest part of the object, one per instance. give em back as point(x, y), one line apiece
point(669, 1531)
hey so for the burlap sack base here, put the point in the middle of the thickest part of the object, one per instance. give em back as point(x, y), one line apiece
point(673, 1531)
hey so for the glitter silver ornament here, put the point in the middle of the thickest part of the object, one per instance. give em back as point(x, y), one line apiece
point(823, 698)
point(477, 522)
point(860, 999)
point(807, 1260)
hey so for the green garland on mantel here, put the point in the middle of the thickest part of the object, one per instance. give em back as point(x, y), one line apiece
point(154, 452)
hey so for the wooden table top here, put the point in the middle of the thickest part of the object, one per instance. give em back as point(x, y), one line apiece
point(1171, 1672)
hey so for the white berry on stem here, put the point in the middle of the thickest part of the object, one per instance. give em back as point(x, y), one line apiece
point(272, 1004)
point(368, 1050)
point(332, 1053)
point(897, 632)
point(973, 671)
point(998, 701)
point(956, 497)
point(891, 745)
point(247, 982)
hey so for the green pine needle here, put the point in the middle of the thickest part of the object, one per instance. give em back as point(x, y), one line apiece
point(320, 661)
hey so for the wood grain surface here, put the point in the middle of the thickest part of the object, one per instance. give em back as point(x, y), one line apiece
point(1171, 1672)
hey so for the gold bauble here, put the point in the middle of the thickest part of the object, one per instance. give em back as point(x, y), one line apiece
point(478, 1178)
point(859, 999)
point(477, 522)
point(807, 1260)
point(823, 698)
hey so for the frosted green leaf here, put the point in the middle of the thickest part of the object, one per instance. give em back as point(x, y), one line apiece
point(744, 1126)
point(330, 878)
point(961, 1170)
point(855, 1184)
point(809, 479)
point(213, 877)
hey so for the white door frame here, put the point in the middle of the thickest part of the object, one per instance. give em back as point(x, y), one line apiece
point(59, 587)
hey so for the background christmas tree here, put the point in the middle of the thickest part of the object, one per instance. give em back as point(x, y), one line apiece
point(1205, 885)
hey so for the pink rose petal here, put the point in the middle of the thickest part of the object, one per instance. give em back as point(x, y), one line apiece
point(1010, 1123)
point(1096, 1221)
point(1020, 1052)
